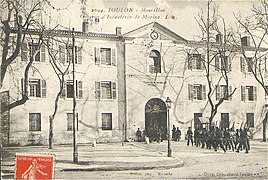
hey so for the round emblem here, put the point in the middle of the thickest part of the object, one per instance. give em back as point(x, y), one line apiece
point(154, 35)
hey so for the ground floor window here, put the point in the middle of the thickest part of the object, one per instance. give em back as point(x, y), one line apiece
point(70, 121)
point(106, 121)
point(250, 119)
point(34, 121)
point(224, 120)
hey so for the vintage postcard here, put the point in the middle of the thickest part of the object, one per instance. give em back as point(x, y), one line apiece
point(134, 89)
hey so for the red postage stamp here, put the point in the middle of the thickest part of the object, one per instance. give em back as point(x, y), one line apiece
point(34, 166)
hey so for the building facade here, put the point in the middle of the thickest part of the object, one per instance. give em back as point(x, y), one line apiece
point(122, 83)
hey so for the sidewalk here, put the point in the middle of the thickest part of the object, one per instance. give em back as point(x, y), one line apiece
point(103, 157)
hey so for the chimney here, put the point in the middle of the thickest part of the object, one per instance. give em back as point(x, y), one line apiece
point(85, 26)
point(245, 41)
point(118, 30)
point(219, 38)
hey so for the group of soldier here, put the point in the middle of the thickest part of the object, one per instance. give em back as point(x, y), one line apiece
point(176, 134)
point(226, 139)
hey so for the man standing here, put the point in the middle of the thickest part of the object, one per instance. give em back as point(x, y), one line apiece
point(178, 134)
point(189, 135)
point(138, 134)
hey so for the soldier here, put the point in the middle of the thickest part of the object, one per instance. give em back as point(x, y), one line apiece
point(189, 135)
point(178, 135)
point(138, 134)
point(243, 141)
point(219, 139)
point(173, 132)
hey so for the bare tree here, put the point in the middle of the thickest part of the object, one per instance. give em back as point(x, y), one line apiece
point(218, 52)
point(255, 27)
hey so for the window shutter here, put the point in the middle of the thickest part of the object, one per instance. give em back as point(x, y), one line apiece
point(97, 55)
point(24, 51)
point(229, 92)
point(255, 93)
point(43, 88)
point(243, 93)
point(63, 92)
point(113, 57)
point(97, 89)
point(79, 89)
point(190, 92)
point(242, 64)
point(217, 63)
point(79, 55)
point(62, 53)
point(218, 92)
point(190, 62)
point(114, 90)
point(43, 53)
point(204, 92)
point(202, 61)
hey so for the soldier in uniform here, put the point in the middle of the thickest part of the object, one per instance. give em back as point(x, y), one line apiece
point(189, 135)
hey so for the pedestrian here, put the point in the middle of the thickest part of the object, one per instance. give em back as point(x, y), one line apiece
point(219, 139)
point(173, 132)
point(138, 134)
point(243, 141)
point(189, 135)
point(178, 134)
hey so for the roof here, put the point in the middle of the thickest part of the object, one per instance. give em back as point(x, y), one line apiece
point(158, 26)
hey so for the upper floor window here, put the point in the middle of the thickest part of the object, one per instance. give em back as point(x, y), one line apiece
point(105, 90)
point(37, 87)
point(33, 50)
point(222, 63)
point(248, 93)
point(105, 56)
point(155, 62)
point(34, 121)
point(197, 91)
point(223, 91)
point(66, 54)
point(68, 89)
point(195, 61)
point(247, 65)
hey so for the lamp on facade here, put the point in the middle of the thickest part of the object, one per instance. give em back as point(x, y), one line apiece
point(168, 106)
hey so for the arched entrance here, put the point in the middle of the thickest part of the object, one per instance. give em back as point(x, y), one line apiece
point(156, 118)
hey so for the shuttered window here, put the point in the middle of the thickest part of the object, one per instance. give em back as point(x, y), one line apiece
point(68, 89)
point(37, 87)
point(223, 91)
point(105, 56)
point(105, 90)
point(66, 54)
point(197, 92)
point(248, 93)
point(70, 121)
point(195, 61)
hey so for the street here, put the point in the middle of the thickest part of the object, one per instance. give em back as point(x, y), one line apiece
point(199, 164)
point(137, 160)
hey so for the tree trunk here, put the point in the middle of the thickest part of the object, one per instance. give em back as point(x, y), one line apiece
point(50, 138)
point(264, 122)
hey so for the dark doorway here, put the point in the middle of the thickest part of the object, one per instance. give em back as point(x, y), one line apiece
point(197, 122)
point(156, 117)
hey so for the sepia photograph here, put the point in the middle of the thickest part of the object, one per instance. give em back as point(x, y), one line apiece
point(133, 89)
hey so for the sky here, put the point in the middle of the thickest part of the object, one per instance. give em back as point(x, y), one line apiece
point(177, 15)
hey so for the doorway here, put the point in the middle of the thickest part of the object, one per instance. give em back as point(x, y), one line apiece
point(156, 117)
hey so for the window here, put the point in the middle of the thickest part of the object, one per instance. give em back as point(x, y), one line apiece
point(105, 90)
point(248, 93)
point(32, 50)
point(66, 54)
point(155, 62)
point(68, 90)
point(106, 121)
point(195, 61)
point(222, 63)
point(247, 65)
point(224, 120)
point(105, 56)
point(197, 91)
point(70, 121)
point(34, 121)
point(37, 87)
point(250, 119)
point(222, 91)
